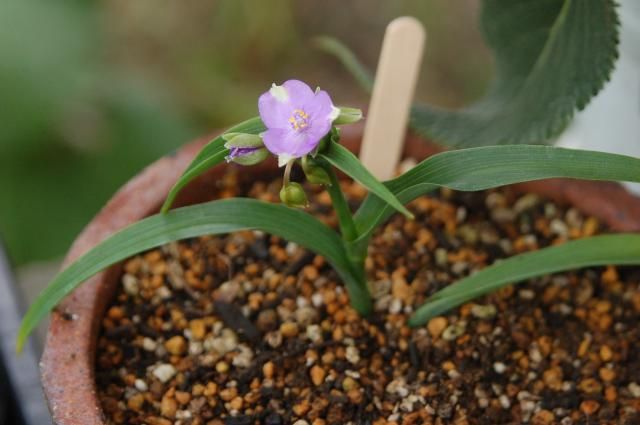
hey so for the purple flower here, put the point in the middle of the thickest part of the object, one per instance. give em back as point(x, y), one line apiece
point(236, 152)
point(296, 117)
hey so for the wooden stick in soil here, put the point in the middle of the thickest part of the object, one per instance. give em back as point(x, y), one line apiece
point(393, 90)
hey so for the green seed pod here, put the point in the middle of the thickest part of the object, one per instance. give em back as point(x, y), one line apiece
point(315, 174)
point(293, 195)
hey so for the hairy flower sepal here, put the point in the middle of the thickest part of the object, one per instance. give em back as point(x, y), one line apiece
point(293, 195)
point(314, 172)
point(244, 148)
point(348, 115)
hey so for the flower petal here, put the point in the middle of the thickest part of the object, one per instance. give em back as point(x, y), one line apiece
point(274, 109)
point(287, 141)
point(299, 92)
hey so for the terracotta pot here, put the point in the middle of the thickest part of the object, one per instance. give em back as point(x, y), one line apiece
point(69, 355)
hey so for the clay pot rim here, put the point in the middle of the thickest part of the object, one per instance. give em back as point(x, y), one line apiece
point(68, 361)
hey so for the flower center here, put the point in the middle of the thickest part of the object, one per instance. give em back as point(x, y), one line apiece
point(299, 119)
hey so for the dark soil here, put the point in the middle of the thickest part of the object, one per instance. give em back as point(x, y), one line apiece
point(249, 329)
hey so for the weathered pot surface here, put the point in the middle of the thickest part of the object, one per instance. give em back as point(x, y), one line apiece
point(69, 357)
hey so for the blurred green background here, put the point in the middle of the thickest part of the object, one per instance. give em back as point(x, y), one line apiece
point(91, 92)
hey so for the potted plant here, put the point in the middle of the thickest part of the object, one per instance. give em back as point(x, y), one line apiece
point(218, 331)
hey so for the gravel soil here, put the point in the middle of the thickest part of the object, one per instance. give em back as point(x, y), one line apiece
point(250, 329)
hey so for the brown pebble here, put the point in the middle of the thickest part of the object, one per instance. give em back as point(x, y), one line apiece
point(198, 329)
point(607, 374)
point(176, 345)
point(589, 407)
point(268, 369)
point(267, 320)
point(236, 403)
point(301, 408)
point(136, 402)
point(590, 386)
point(289, 329)
point(606, 354)
point(228, 394)
point(543, 417)
point(183, 397)
point(317, 375)
point(437, 325)
point(168, 407)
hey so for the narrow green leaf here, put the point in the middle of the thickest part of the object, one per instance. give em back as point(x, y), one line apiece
point(348, 59)
point(210, 156)
point(215, 217)
point(551, 58)
point(494, 166)
point(618, 249)
point(341, 158)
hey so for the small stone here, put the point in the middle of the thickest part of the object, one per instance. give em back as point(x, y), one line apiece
point(590, 386)
point(267, 320)
point(183, 397)
point(395, 306)
point(543, 417)
point(222, 367)
point(606, 354)
point(589, 407)
point(401, 290)
point(274, 339)
point(301, 408)
point(176, 345)
point(289, 329)
point(236, 403)
point(198, 329)
point(437, 325)
point(136, 402)
point(317, 374)
point(314, 333)
point(148, 344)
point(504, 401)
point(552, 378)
point(130, 284)
point(141, 385)
point(499, 367)
point(441, 257)
point(244, 356)
point(164, 372)
point(301, 422)
point(607, 374)
point(454, 331)
point(349, 383)
point(168, 407)
point(268, 369)
point(228, 394)
point(352, 354)
point(483, 311)
point(634, 389)
point(306, 315)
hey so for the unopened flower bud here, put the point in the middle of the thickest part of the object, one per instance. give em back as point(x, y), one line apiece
point(293, 195)
point(242, 140)
point(348, 116)
point(315, 174)
point(247, 156)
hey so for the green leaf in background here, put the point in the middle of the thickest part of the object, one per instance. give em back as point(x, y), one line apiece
point(619, 249)
point(492, 166)
point(215, 217)
point(341, 158)
point(211, 155)
point(336, 48)
point(552, 57)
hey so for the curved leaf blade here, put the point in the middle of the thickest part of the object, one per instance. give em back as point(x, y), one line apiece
point(211, 155)
point(348, 59)
point(215, 217)
point(617, 249)
point(487, 167)
point(341, 158)
point(551, 58)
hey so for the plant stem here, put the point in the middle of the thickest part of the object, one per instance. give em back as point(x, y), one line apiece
point(345, 217)
point(357, 287)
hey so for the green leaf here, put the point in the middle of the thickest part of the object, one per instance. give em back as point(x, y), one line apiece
point(215, 217)
point(210, 156)
point(493, 166)
point(341, 158)
point(552, 57)
point(619, 249)
point(348, 59)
